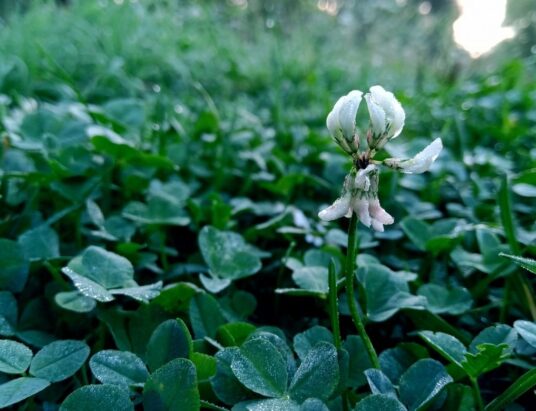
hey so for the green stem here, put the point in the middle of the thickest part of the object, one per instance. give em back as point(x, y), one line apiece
point(334, 305)
point(350, 274)
point(477, 395)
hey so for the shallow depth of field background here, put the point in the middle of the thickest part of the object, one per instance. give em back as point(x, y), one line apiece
point(130, 125)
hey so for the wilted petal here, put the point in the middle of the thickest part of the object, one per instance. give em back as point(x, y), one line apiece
point(421, 162)
point(394, 113)
point(337, 210)
point(361, 208)
point(379, 214)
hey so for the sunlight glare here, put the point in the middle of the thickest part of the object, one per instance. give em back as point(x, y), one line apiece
point(479, 27)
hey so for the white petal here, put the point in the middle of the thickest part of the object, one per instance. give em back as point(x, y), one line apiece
point(377, 116)
point(361, 208)
point(378, 213)
point(348, 112)
point(332, 121)
point(337, 210)
point(423, 160)
point(394, 113)
point(376, 225)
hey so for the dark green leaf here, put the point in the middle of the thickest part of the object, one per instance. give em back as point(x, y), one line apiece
point(379, 402)
point(260, 367)
point(318, 374)
point(172, 387)
point(170, 340)
point(98, 397)
point(422, 382)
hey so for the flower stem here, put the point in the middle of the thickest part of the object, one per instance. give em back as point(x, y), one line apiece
point(477, 395)
point(350, 274)
point(334, 305)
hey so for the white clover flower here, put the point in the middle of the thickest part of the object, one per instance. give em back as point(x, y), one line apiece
point(341, 121)
point(386, 115)
point(421, 162)
point(360, 189)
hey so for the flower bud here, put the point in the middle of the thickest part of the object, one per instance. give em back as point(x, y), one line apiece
point(341, 121)
point(386, 114)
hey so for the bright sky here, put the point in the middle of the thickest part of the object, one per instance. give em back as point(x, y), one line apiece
point(480, 25)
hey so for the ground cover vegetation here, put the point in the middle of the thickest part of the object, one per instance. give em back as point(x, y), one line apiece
point(163, 165)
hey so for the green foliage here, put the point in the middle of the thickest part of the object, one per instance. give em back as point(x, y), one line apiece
point(162, 165)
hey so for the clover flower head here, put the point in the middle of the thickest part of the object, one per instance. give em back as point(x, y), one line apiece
point(360, 189)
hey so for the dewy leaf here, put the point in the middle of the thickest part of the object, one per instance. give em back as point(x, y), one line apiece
point(98, 397)
point(318, 374)
point(379, 383)
point(118, 368)
point(59, 360)
point(8, 313)
point(259, 366)
point(75, 301)
point(14, 357)
point(379, 402)
point(170, 340)
point(527, 263)
point(19, 389)
point(105, 268)
point(448, 346)
point(422, 382)
point(14, 265)
point(386, 292)
point(40, 243)
point(441, 300)
point(312, 278)
point(88, 287)
point(227, 254)
point(278, 404)
point(225, 385)
point(172, 387)
point(142, 293)
point(527, 331)
point(303, 342)
point(313, 404)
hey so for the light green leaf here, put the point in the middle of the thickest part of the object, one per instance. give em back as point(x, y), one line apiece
point(205, 315)
point(227, 254)
point(59, 360)
point(441, 300)
point(312, 278)
point(527, 331)
point(448, 346)
point(8, 313)
point(225, 385)
point(75, 301)
point(379, 383)
point(19, 389)
point(15, 357)
point(40, 243)
point(118, 368)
